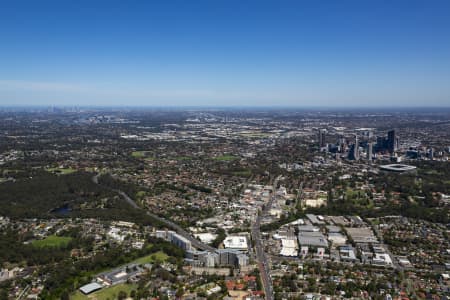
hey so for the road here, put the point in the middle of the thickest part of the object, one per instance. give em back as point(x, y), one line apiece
point(259, 247)
point(195, 243)
point(25, 290)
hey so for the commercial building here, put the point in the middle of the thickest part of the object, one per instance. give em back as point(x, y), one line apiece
point(209, 259)
point(354, 150)
point(316, 220)
point(119, 275)
point(90, 288)
point(391, 142)
point(322, 138)
point(289, 247)
point(382, 259)
point(175, 239)
point(308, 228)
point(362, 235)
point(236, 242)
point(347, 253)
point(336, 238)
point(369, 151)
point(232, 258)
point(312, 240)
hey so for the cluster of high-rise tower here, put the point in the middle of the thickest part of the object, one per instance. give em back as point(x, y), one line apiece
point(384, 144)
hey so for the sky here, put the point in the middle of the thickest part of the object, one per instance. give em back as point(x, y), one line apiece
point(225, 53)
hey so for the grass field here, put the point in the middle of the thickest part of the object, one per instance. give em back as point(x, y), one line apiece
point(142, 154)
point(52, 241)
point(157, 256)
point(140, 195)
point(139, 154)
point(182, 158)
point(226, 158)
point(105, 293)
point(61, 171)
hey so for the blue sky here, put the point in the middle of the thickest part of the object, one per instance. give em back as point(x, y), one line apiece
point(225, 52)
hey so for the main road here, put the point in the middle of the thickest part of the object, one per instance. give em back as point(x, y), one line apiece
point(195, 243)
point(263, 263)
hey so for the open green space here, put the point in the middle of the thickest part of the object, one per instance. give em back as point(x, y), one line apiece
point(52, 241)
point(61, 171)
point(140, 195)
point(146, 155)
point(159, 256)
point(227, 157)
point(105, 293)
point(139, 154)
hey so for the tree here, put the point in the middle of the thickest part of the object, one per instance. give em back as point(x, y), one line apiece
point(180, 292)
point(65, 296)
point(122, 295)
point(3, 294)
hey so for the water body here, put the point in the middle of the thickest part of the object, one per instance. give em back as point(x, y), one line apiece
point(63, 210)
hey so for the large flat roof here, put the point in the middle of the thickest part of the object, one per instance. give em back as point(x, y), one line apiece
point(289, 247)
point(362, 234)
point(314, 239)
point(91, 287)
point(235, 242)
point(398, 168)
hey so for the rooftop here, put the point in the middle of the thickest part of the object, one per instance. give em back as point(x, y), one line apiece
point(314, 239)
point(236, 242)
point(91, 287)
point(398, 168)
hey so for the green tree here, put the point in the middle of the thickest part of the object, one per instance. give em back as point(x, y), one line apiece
point(122, 295)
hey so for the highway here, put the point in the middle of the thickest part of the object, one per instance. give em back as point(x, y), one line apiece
point(195, 243)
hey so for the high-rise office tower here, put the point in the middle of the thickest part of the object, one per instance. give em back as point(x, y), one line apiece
point(391, 142)
point(369, 151)
point(321, 138)
point(354, 150)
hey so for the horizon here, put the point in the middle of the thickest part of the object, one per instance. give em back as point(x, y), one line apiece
point(216, 54)
point(231, 107)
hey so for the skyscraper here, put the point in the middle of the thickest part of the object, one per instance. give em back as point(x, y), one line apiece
point(321, 138)
point(354, 150)
point(391, 142)
point(369, 151)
